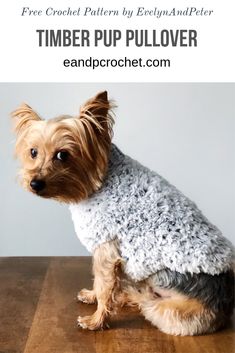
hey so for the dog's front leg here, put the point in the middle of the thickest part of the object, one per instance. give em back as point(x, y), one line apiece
point(106, 266)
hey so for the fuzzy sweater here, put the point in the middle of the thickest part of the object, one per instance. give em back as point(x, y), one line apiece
point(155, 225)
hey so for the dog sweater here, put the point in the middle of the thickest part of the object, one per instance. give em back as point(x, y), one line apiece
point(155, 225)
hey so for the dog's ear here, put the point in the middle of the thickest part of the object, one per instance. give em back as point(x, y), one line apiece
point(23, 117)
point(96, 111)
point(97, 106)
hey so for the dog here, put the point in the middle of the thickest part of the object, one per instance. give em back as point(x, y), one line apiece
point(152, 247)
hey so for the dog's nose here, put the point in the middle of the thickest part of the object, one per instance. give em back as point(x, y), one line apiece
point(37, 184)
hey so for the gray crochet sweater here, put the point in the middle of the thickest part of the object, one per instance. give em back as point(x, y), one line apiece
point(156, 226)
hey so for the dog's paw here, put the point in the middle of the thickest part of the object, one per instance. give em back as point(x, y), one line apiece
point(91, 323)
point(86, 296)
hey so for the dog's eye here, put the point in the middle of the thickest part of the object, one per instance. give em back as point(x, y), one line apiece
point(34, 152)
point(61, 156)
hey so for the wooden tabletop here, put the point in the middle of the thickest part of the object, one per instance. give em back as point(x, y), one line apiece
point(38, 311)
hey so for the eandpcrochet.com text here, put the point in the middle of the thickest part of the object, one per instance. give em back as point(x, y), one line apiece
point(124, 62)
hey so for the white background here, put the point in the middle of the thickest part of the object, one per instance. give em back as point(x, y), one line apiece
point(23, 61)
point(185, 132)
point(190, 127)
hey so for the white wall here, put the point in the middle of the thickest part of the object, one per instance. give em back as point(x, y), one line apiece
point(183, 131)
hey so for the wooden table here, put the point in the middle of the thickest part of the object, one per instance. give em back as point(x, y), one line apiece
point(38, 311)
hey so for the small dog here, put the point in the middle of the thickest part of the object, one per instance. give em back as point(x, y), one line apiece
point(151, 245)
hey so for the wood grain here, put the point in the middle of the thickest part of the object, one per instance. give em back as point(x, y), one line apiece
point(38, 310)
point(20, 287)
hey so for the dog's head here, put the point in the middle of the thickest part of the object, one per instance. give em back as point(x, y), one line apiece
point(64, 158)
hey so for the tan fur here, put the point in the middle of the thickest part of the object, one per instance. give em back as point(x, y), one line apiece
point(87, 296)
point(172, 312)
point(106, 266)
point(166, 309)
point(86, 139)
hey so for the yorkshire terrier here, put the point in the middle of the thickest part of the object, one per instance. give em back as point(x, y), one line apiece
point(152, 247)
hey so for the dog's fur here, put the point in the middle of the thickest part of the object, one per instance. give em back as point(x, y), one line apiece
point(180, 304)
